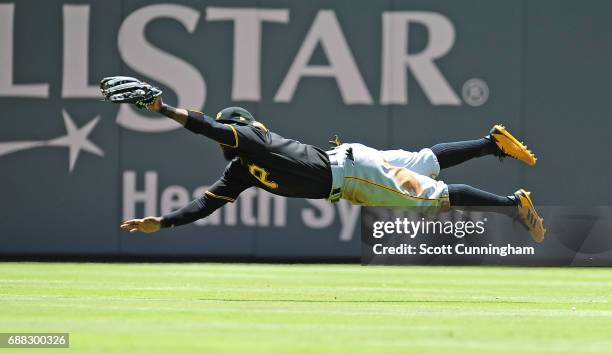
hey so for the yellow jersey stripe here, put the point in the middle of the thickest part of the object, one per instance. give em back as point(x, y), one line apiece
point(235, 138)
point(220, 196)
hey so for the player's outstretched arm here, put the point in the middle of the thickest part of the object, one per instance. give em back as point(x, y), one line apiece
point(197, 209)
point(178, 114)
point(197, 122)
point(125, 89)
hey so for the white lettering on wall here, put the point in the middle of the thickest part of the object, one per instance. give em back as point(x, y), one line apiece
point(326, 30)
point(76, 53)
point(246, 82)
point(185, 80)
point(396, 61)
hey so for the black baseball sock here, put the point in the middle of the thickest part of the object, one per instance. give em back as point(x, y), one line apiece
point(451, 154)
point(464, 197)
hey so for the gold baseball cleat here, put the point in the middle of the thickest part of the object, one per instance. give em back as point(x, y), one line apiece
point(529, 216)
point(510, 146)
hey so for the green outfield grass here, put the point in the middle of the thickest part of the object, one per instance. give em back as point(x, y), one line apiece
point(255, 308)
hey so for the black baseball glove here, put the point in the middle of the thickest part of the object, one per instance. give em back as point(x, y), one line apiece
point(125, 89)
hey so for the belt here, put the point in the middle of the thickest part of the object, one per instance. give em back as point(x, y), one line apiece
point(333, 158)
point(335, 164)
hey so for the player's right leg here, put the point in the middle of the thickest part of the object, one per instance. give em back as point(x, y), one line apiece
point(499, 142)
point(519, 206)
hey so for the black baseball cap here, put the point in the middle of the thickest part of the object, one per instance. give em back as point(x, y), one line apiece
point(235, 115)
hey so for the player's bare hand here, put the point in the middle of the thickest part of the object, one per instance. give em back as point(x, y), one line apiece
point(156, 105)
point(147, 225)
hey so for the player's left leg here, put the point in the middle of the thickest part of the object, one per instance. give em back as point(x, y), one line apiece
point(499, 142)
point(519, 205)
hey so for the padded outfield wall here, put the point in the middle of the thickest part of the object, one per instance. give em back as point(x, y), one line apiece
point(390, 74)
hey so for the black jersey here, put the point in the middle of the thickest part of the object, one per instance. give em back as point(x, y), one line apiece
point(266, 160)
point(281, 166)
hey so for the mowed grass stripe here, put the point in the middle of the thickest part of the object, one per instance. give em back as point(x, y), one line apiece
point(261, 308)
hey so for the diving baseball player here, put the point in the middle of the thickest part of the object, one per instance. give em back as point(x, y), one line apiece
point(360, 174)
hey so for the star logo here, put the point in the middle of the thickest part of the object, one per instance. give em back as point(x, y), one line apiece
point(75, 140)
